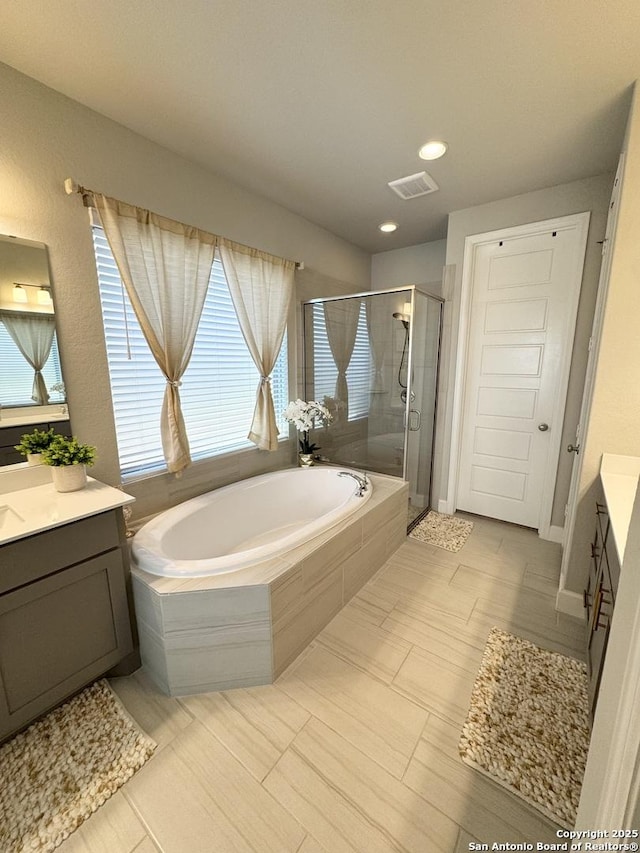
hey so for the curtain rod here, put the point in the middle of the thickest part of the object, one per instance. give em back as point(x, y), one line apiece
point(71, 187)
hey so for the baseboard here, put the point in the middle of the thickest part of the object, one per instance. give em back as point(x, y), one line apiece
point(445, 508)
point(554, 534)
point(570, 603)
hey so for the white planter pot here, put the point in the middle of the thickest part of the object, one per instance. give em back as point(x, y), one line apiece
point(34, 458)
point(68, 478)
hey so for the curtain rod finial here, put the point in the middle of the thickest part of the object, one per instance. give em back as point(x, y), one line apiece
point(299, 265)
point(70, 186)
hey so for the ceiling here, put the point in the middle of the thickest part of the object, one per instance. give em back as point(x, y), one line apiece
point(317, 104)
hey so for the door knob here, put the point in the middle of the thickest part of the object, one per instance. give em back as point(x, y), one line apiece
point(543, 427)
point(573, 448)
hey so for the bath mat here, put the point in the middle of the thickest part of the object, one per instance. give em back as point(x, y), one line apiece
point(445, 531)
point(55, 774)
point(528, 724)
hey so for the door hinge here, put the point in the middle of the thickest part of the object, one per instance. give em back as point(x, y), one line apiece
point(566, 510)
point(590, 343)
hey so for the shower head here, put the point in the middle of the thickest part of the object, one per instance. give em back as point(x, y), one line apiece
point(404, 318)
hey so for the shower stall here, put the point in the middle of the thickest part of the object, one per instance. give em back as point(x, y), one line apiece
point(372, 359)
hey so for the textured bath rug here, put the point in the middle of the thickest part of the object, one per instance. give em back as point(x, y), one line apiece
point(55, 774)
point(445, 531)
point(528, 724)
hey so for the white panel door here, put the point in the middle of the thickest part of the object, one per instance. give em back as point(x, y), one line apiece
point(522, 319)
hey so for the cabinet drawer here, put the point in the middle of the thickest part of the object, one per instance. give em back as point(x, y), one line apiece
point(26, 560)
point(58, 634)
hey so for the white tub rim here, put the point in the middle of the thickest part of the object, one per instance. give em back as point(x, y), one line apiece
point(159, 565)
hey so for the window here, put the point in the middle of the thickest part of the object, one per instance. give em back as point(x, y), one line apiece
point(17, 373)
point(218, 391)
point(359, 372)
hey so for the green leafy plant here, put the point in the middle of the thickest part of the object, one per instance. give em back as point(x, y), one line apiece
point(68, 451)
point(35, 442)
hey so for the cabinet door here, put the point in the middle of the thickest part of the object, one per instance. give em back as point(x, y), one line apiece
point(58, 634)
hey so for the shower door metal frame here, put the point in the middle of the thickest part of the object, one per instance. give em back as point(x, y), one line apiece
point(412, 288)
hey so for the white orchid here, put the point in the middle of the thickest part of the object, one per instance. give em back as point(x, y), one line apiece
point(302, 415)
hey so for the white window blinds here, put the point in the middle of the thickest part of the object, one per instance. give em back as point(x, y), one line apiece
point(359, 372)
point(218, 388)
point(17, 373)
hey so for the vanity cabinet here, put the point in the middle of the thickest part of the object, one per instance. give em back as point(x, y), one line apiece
point(64, 614)
point(10, 436)
point(599, 597)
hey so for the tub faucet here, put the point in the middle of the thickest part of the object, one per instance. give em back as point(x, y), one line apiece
point(362, 481)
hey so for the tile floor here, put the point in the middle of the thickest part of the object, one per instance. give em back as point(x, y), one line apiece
point(355, 746)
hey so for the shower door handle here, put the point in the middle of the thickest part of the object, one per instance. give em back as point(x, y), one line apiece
point(415, 418)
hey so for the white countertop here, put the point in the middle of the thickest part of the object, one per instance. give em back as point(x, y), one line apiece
point(28, 420)
point(620, 475)
point(29, 503)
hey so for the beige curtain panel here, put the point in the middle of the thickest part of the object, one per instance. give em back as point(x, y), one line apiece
point(33, 335)
point(261, 287)
point(341, 321)
point(165, 267)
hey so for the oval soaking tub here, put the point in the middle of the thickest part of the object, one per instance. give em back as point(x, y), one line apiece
point(249, 521)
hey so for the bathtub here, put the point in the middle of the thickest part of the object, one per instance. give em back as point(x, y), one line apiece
point(242, 524)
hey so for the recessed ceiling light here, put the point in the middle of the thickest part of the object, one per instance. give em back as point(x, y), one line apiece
point(432, 150)
point(388, 227)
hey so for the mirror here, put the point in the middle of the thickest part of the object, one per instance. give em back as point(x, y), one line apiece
point(30, 372)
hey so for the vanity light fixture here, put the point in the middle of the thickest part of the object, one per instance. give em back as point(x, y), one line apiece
point(388, 227)
point(432, 150)
point(44, 296)
point(19, 293)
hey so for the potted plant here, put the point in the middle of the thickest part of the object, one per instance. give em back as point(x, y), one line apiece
point(302, 415)
point(33, 443)
point(68, 460)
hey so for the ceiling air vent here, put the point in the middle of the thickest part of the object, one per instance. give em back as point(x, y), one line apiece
point(414, 185)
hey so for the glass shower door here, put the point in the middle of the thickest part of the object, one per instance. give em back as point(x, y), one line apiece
point(421, 404)
point(356, 363)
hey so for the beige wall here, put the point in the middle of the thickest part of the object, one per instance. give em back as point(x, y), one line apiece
point(47, 138)
point(590, 194)
point(421, 264)
point(614, 421)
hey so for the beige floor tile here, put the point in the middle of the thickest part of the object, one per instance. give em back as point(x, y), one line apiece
point(463, 845)
point(255, 724)
point(195, 796)
point(531, 611)
point(481, 807)
point(374, 718)
point(416, 554)
point(541, 583)
point(366, 646)
point(146, 846)
point(161, 717)
point(445, 636)
point(415, 586)
point(539, 634)
point(437, 684)
point(550, 569)
point(114, 827)
point(349, 803)
point(310, 845)
point(477, 582)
